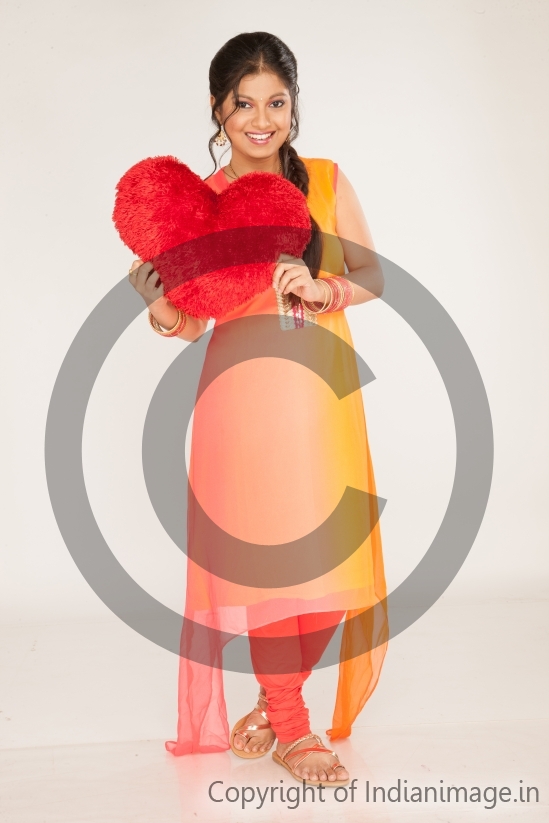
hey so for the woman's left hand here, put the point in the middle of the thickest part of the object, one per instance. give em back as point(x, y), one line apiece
point(292, 275)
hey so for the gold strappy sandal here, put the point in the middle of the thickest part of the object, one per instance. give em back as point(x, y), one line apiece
point(282, 761)
point(242, 730)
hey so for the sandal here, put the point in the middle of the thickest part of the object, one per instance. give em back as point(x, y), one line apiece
point(282, 761)
point(243, 730)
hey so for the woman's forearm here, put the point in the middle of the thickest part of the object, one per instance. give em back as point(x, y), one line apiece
point(166, 314)
point(368, 282)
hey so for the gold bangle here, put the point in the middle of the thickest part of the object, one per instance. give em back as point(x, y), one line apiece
point(177, 328)
point(180, 324)
point(331, 294)
point(310, 305)
point(329, 306)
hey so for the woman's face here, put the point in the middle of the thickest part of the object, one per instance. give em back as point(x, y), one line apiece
point(263, 120)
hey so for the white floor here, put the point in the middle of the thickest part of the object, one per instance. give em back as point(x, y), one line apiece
point(462, 699)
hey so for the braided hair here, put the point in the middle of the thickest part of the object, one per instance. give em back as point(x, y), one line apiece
point(253, 53)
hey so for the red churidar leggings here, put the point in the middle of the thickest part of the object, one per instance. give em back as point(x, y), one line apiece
point(283, 654)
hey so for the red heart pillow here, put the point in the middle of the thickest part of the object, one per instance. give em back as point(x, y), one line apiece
point(212, 252)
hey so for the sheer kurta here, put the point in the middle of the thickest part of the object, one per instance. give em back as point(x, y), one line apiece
point(272, 452)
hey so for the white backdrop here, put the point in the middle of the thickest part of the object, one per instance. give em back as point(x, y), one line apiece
point(435, 111)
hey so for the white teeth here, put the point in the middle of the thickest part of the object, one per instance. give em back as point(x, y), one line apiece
point(259, 136)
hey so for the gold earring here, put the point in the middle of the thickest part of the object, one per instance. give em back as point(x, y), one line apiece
point(221, 138)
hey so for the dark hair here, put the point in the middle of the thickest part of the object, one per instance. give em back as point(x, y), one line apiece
point(253, 53)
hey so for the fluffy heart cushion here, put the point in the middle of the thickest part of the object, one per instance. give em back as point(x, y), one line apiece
point(212, 252)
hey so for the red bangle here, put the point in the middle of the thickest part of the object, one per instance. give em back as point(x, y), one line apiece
point(342, 295)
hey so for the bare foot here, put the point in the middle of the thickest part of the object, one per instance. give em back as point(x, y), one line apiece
point(260, 740)
point(316, 766)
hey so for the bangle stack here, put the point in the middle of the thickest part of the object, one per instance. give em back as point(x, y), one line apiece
point(180, 324)
point(339, 294)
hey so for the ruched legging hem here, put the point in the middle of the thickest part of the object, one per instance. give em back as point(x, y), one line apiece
point(283, 654)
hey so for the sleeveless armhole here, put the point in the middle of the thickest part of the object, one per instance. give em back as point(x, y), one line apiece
point(334, 181)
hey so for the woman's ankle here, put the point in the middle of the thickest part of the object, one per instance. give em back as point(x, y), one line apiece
point(302, 735)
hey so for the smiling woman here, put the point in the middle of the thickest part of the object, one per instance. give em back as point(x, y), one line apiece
point(273, 448)
point(262, 117)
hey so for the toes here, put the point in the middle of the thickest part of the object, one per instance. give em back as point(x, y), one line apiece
point(322, 775)
point(342, 774)
point(250, 746)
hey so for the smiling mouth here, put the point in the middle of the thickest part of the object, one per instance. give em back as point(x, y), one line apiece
point(258, 137)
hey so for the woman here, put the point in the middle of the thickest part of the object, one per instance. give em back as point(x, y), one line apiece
point(270, 418)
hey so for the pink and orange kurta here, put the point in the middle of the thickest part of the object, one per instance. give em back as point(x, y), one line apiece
point(272, 452)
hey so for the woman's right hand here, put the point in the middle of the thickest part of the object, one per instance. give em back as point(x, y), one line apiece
point(146, 281)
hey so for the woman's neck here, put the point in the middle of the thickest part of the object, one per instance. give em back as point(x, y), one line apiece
point(240, 164)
